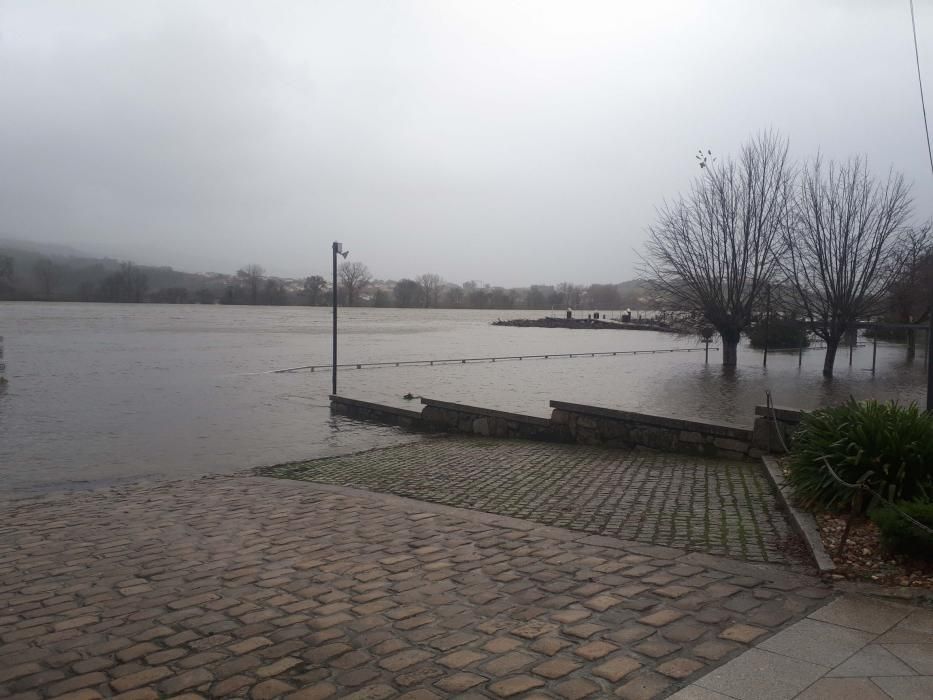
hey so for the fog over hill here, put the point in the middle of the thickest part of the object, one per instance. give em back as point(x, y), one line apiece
point(31, 271)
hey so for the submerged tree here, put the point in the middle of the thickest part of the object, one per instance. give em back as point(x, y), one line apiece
point(712, 253)
point(407, 293)
point(47, 275)
point(252, 276)
point(314, 287)
point(431, 286)
point(910, 293)
point(355, 277)
point(842, 251)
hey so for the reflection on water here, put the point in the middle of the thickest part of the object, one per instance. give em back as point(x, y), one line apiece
point(107, 392)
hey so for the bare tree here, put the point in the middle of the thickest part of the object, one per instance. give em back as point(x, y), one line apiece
point(355, 277)
point(570, 294)
point(841, 256)
point(6, 269)
point(712, 254)
point(314, 287)
point(407, 293)
point(910, 294)
point(431, 285)
point(47, 274)
point(252, 277)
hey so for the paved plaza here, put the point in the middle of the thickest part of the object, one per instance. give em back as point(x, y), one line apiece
point(261, 588)
point(854, 648)
point(713, 506)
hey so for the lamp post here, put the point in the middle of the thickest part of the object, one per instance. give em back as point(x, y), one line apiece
point(337, 249)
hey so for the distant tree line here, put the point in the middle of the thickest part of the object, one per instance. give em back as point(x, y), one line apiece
point(826, 245)
point(29, 276)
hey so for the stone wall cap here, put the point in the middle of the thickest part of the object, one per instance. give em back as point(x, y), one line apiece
point(785, 413)
point(734, 431)
point(476, 410)
point(394, 410)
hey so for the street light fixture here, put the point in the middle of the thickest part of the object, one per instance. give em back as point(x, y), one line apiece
point(337, 249)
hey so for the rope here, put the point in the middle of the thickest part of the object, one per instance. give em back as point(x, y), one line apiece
point(865, 487)
point(777, 428)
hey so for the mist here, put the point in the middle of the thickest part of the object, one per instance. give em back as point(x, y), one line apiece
point(509, 142)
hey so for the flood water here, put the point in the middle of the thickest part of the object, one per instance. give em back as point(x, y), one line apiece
point(102, 393)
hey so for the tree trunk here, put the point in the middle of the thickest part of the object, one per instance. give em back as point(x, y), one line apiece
point(830, 360)
point(911, 344)
point(730, 349)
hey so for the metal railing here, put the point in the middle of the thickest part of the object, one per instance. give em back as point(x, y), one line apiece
point(470, 360)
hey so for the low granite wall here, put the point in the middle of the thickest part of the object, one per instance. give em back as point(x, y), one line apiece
point(591, 425)
point(775, 427)
point(377, 413)
point(603, 426)
point(459, 418)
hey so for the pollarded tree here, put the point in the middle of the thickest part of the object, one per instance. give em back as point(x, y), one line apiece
point(355, 277)
point(712, 253)
point(842, 254)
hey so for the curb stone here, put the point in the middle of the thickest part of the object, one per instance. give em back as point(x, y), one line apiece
point(803, 522)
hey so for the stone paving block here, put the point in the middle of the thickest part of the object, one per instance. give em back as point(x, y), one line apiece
point(742, 633)
point(504, 599)
point(872, 660)
point(645, 686)
point(904, 688)
point(616, 668)
point(861, 613)
point(461, 658)
point(459, 682)
point(817, 642)
point(515, 685)
point(576, 688)
point(758, 673)
point(918, 656)
point(843, 689)
point(556, 667)
point(695, 692)
point(595, 650)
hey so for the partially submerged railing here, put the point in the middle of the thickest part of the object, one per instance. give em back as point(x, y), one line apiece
point(469, 360)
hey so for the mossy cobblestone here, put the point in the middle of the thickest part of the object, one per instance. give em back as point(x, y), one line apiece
point(708, 505)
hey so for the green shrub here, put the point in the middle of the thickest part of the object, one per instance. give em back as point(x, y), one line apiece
point(892, 442)
point(899, 535)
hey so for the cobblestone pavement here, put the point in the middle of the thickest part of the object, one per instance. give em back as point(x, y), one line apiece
point(712, 506)
point(263, 588)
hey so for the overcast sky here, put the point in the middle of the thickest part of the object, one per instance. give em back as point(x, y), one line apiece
point(509, 142)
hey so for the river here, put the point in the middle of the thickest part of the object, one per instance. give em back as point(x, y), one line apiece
point(102, 393)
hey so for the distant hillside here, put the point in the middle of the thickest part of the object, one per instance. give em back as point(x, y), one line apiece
point(43, 272)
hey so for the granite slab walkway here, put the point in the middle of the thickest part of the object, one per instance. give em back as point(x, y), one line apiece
point(262, 588)
point(854, 648)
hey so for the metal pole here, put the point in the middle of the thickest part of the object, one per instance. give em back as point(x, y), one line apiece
point(334, 362)
point(930, 364)
point(800, 349)
point(767, 325)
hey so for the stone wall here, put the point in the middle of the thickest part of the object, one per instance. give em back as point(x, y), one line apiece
point(775, 428)
point(458, 418)
point(583, 424)
point(377, 413)
point(603, 426)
